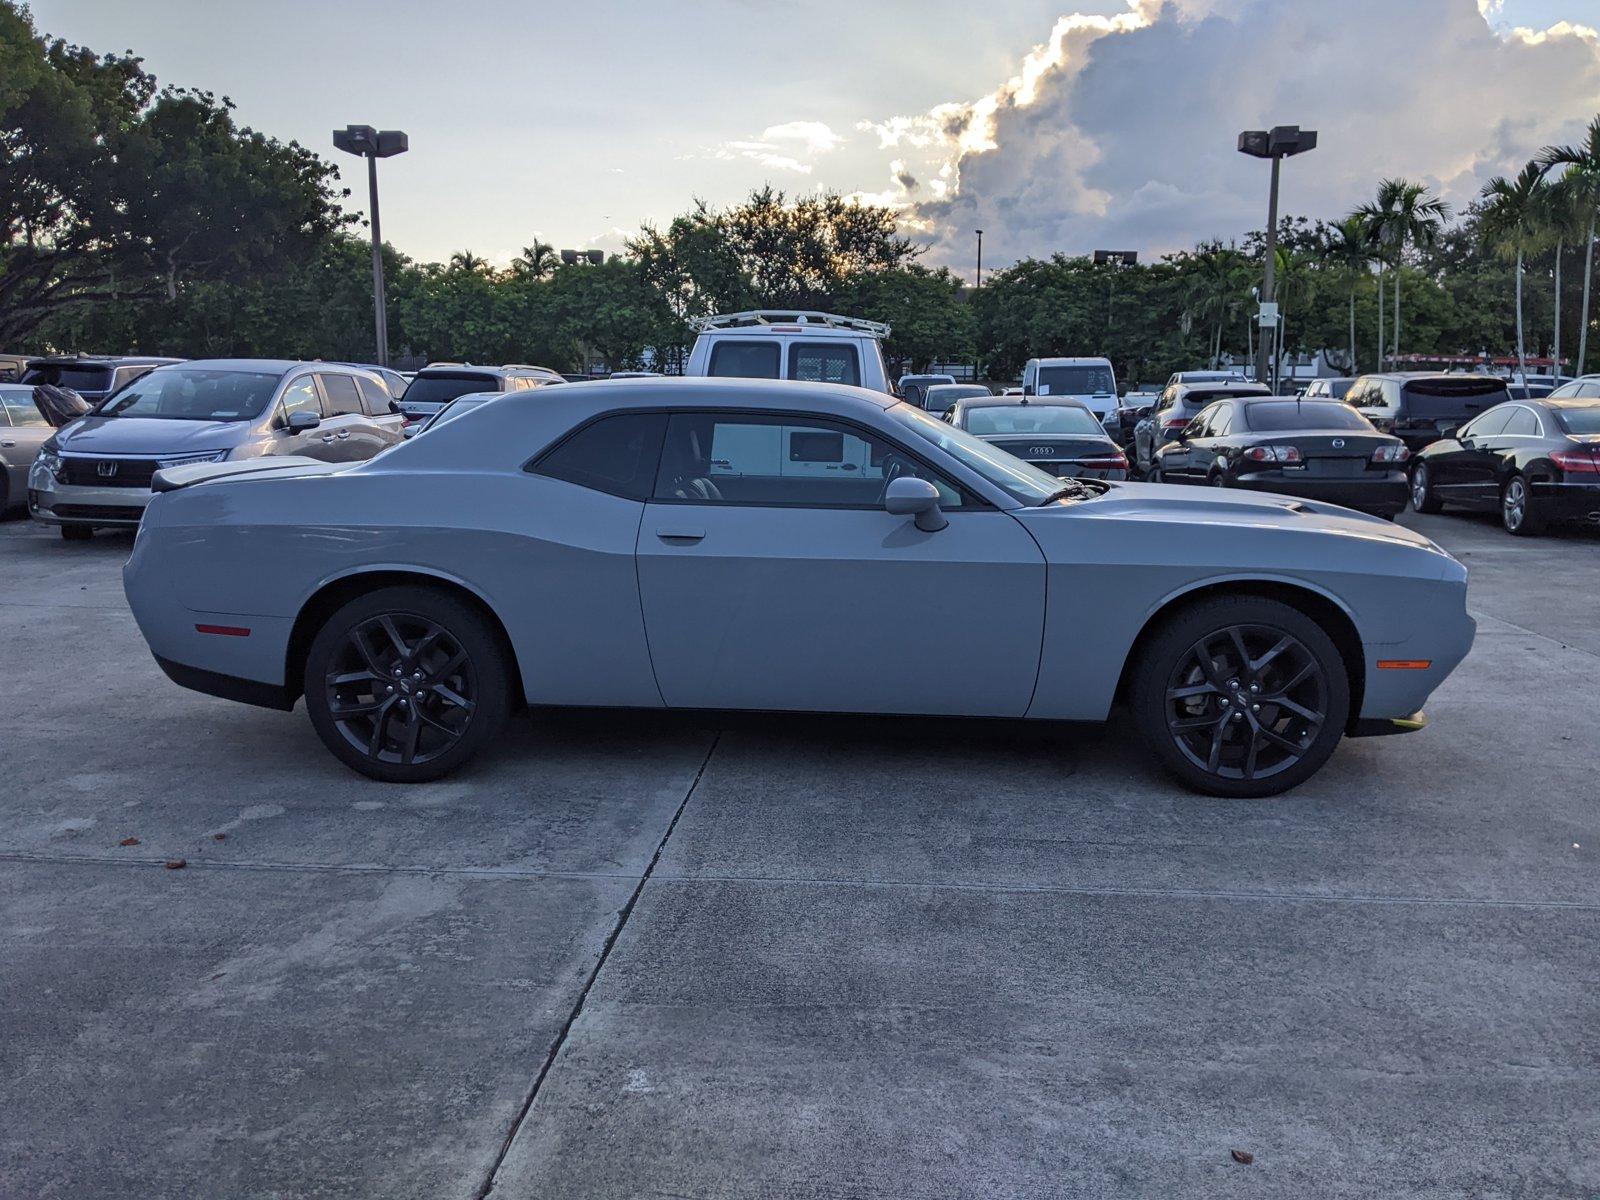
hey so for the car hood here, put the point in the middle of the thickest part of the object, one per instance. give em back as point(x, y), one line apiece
point(1220, 506)
point(148, 435)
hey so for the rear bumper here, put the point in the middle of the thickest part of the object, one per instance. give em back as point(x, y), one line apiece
point(1568, 501)
point(228, 687)
point(1384, 494)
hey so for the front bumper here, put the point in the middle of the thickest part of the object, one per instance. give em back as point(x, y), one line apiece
point(1383, 493)
point(59, 503)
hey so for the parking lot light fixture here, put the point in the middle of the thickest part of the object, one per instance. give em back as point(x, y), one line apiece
point(1277, 143)
point(373, 144)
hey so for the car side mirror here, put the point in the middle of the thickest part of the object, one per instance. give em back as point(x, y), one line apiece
point(410, 431)
point(1450, 431)
point(1027, 389)
point(299, 422)
point(395, 409)
point(1141, 413)
point(909, 496)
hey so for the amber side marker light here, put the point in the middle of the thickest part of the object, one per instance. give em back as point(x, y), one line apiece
point(224, 630)
point(1404, 664)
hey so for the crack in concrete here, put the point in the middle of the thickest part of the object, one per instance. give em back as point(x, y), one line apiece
point(583, 994)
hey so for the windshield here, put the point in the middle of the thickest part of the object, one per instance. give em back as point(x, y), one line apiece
point(92, 378)
point(437, 389)
point(1030, 418)
point(1580, 420)
point(1272, 416)
point(194, 394)
point(1075, 381)
point(1020, 481)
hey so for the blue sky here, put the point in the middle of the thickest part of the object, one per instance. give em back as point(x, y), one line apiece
point(574, 123)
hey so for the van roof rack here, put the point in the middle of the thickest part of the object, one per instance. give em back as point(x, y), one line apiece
point(788, 316)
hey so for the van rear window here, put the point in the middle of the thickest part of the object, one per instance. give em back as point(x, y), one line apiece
point(1076, 381)
point(79, 379)
point(1431, 399)
point(732, 359)
point(824, 362)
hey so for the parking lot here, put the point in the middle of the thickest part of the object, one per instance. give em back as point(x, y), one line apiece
point(635, 954)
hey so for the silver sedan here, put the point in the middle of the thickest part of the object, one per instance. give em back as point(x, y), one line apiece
point(23, 430)
point(746, 544)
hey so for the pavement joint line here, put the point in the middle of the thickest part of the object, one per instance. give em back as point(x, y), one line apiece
point(1544, 637)
point(108, 860)
point(1152, 893)
point(583, 994)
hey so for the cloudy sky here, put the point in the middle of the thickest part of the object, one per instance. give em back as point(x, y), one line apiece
point(1105, 123)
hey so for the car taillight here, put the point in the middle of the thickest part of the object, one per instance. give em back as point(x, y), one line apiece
point(1273, 454)
point(1174, 426)
point(1106, 462)
point(1397, 453)
point(1582, 461)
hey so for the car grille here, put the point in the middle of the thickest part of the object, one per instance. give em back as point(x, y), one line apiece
point(97, 512)
point(124, 472)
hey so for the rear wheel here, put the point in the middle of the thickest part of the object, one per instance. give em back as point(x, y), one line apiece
point(1241, 696)
point(1518, 511)
point(77, 533)
point(407, 683)
point(1423, 498)
point(1218, 479)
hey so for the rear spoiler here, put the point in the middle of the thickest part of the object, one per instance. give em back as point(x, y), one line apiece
point(171, 479)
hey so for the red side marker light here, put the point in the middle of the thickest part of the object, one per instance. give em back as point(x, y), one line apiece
point(223, 630)
point(1404, 664)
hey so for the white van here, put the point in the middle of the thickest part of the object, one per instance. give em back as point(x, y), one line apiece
point(1090, 381)
point(812, 346)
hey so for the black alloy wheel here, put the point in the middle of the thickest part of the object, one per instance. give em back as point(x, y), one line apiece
point(405, 684)
point(1241, 697)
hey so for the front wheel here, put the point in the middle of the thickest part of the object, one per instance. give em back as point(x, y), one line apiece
point(1518, 513)
point(1241, 696)
point(406, 683)
point(1423, 498)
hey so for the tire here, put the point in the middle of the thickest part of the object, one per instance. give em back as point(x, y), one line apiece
point(1519, 514)
point(1423, 498)
point(449, 697)
point(1213, 736)
point(77, 533)
point(1218, 479)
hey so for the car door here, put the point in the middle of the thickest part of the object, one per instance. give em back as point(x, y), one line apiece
point(301, 395)
point(1465, 473)
point(388, 424)
point(346, 429)
point(766, 587)
point(1178, 456)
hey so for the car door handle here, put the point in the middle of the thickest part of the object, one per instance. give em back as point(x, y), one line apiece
point(680, 534)
point(7, 445)
point(328, 437)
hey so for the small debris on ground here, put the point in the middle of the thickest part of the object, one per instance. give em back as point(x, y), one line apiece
point(177, 864)
point(128, 842)
point(1242, 1156)
point(219, 837)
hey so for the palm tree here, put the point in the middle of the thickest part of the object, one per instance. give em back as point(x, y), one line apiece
point(1405, 214)
point(1347, 248)
point(1583, 164)
point(1511, 212)
point(535, 261)
point(466, 260)
point(1372, 223)
point(1563, 220)
point(1215, 289)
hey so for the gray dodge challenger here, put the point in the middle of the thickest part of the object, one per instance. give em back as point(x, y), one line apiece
point(751, 544)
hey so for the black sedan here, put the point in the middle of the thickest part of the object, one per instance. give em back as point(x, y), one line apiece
point(1059, 436)
point(1319, 449)
point(1533, 461)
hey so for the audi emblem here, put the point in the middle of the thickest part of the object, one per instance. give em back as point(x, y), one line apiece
point(1338, 443)
point(1041, 450)
point(105, 470)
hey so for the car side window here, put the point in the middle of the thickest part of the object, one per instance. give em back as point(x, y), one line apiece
point(1489, 424)
point(744, 359)
point(1522, 424)
point(343, 398)
point(616, 454)
point(1221, 421)
point(19, 406)
point(374, 397)
point(1589, 390)
point(301, 396)
point(782, 461)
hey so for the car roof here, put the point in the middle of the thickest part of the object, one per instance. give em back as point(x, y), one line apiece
point(1022, 402)
point(1213, 386)
point(265, 366)
point(100, 360)
point(1406, 376)
point(503, 370)
point(1067, 361)
point(700, 391)
point(941, 387)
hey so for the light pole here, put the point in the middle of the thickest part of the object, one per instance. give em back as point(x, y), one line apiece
point(372, 145)
point(1278, 143)
point(980, 257)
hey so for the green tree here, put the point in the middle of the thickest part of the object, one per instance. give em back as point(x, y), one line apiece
point(611, 310)
point(1404, 214)
point(928, 319)
point(1582, 168)
point(537, 261)
point(1511, 223)
point(1347, 249)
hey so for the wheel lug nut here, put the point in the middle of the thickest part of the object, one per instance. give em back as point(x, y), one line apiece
point(390, 688)
point(1255, 687)
point(1255, 708)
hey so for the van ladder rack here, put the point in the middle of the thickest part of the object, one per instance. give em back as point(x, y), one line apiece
point(787, 316)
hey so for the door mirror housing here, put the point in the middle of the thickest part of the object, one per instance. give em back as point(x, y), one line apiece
point(1027, 389)
point(909, 496)
point(299, 422)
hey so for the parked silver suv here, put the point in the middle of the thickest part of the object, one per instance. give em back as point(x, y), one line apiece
point(97, 470)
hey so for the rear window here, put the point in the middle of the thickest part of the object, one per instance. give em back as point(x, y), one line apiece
point(1580, 420)
point(1273, 416)
point(743, 360)
point(447, 385)
point(1075, 381)
point(78, 378)
point(824, 362)
point(1431, 399)
point(1030, 418)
